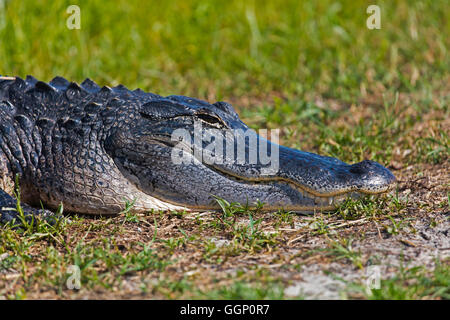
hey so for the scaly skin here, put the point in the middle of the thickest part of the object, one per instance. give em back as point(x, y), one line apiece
point(94, 148)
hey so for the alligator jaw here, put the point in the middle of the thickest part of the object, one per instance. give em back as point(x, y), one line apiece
point(338, 181)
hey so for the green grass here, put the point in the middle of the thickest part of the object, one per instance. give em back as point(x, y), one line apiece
point(342, 249)
point(230, 48)
point(246, 236)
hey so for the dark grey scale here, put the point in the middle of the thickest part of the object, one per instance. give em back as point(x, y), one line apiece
point(70, 121)
point(93, 108)
point(42, 91)
point(109, 113)
point(105, 91)
point(37, 141)
point(163, 109)
point(145, 96)
point(138, 101)
point(67, 146)
point(61, 105)
point(83, 130)
point(45, 127)
point(43, 96)
point(122, 90)
point(57, 152)
point(225, 107)
point(23, 129)
point(89, 118)
point(16, 91)
point(31, 81)
point(25, 123)
point(57, 142)
point(99, 128)
point(191, 103)
point(7, 108)
point(60, 83)
point(12, 142)
point(4, 89)
point(13, 162)
point(92, 138)
point(90, 86)
point(74, 93)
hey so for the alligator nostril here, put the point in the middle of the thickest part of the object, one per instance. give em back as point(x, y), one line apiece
point(361, 167)
point(356, 170)
point(372, 177)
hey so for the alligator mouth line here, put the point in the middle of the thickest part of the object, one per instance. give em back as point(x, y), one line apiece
point(301, 188)
point(321, 201)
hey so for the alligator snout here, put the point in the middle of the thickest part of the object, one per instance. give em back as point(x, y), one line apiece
point(371, 177)
point(328, 177)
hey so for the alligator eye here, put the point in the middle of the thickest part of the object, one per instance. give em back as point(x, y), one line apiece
point(210, 119)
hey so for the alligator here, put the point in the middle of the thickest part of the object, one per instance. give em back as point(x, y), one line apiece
point(97, 149)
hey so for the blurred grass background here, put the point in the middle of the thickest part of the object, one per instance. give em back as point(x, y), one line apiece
point(225, 49)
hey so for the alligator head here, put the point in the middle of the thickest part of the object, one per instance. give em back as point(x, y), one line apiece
point(185, 152)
